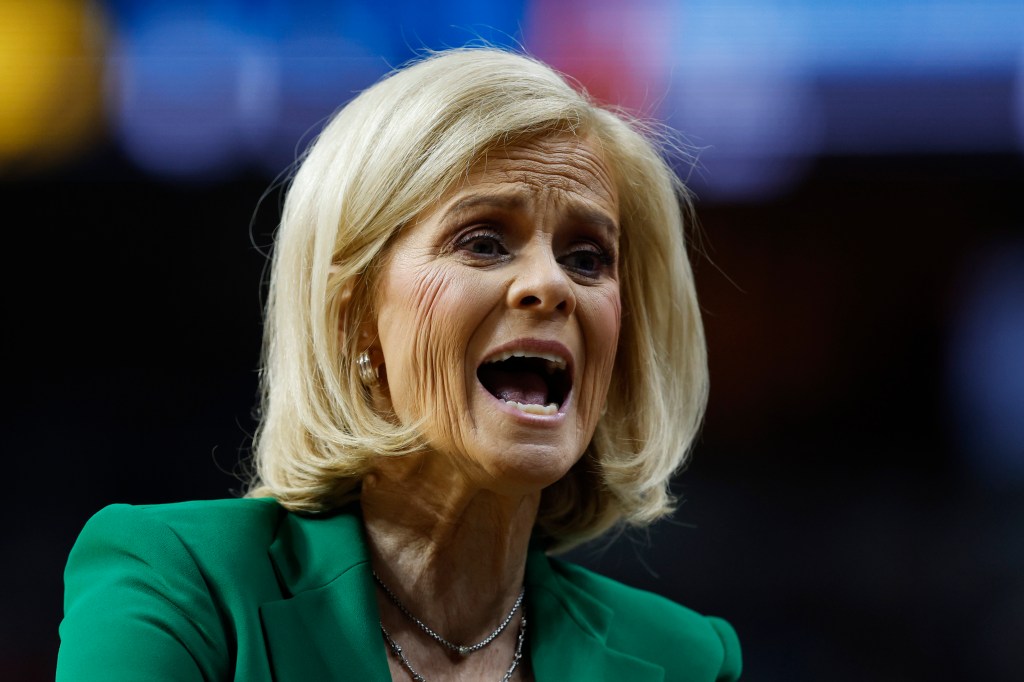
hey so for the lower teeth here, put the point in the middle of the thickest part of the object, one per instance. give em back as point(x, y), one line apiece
point(550, 408)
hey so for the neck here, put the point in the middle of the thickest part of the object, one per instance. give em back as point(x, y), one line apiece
point(453, 552)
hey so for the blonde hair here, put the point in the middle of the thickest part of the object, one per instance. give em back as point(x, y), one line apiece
point(386, 156)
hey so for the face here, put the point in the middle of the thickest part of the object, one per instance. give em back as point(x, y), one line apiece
point(498, 314)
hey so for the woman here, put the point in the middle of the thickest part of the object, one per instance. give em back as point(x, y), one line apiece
point(482, 346)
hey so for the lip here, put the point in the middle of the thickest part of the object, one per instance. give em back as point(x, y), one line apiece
point(540, 346)
point(532, 345)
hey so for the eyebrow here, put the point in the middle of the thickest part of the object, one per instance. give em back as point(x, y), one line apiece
point(580, 213)
point(487, 200)
point(599, 219)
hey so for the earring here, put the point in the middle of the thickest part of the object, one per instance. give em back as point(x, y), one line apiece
point(367, 374)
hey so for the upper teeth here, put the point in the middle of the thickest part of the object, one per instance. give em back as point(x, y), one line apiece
point(553, 362)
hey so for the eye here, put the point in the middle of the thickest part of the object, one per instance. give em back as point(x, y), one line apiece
point(482, 245)
point(588, 260)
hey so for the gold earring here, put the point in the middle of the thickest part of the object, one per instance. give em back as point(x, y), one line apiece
point(367, 374)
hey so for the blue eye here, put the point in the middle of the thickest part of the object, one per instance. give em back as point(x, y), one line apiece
point(482, 245)
point(588, 262)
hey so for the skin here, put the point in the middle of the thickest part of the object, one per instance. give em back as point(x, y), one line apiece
point(522, 254)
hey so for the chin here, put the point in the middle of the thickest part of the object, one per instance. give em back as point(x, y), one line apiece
point(525, 467)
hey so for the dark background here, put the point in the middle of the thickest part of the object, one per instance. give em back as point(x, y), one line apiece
point(829, 512)
point(854, 506)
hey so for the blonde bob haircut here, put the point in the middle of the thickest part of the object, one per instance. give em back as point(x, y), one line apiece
point(382, 160)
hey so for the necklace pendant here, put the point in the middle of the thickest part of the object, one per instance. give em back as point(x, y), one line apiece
point(464, 650)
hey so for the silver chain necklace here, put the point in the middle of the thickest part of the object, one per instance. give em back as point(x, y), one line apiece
point(460, 649)
point(397, 650)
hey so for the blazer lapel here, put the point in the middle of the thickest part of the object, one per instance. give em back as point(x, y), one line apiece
point(568, 630)
point(326, 627)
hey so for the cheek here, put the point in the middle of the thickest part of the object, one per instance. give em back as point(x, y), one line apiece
point(424, 335)
point(603, 315)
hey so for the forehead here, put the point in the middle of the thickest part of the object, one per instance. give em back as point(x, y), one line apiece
point(562, 165)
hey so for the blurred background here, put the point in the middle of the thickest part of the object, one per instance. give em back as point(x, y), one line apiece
point(855, 505)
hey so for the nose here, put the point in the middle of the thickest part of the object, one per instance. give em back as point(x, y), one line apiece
point(541, 285)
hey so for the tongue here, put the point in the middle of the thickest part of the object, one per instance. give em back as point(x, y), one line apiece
point(523, 387)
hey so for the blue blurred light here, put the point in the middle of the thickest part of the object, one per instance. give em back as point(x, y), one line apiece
point(315, 75)
point(742, 95)
point(200, 89)
point(453, 23)
point(210, 86)
point(175, 105)
point(326, 53)
point(987, 365)
point(945, 37)
point(1018, 101)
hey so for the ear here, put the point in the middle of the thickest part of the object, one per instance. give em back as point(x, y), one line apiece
point(365, 328)
point(343, 301)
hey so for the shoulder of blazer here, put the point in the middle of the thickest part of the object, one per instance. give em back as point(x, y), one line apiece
point(235, 521)
point(230, 585)
point(687, 644)
point(232, 538)
point(167, 585)
point(225, 534)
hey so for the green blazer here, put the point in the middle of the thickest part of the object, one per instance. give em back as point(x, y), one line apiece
point(245, 590)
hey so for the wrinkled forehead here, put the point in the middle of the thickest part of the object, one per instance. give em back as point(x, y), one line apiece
point(558, 164)
point(570, 170)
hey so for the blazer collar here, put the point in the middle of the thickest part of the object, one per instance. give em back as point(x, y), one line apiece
point(568, 630)
point(327, 626)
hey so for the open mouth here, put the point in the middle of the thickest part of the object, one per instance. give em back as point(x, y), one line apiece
point(536, 383)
